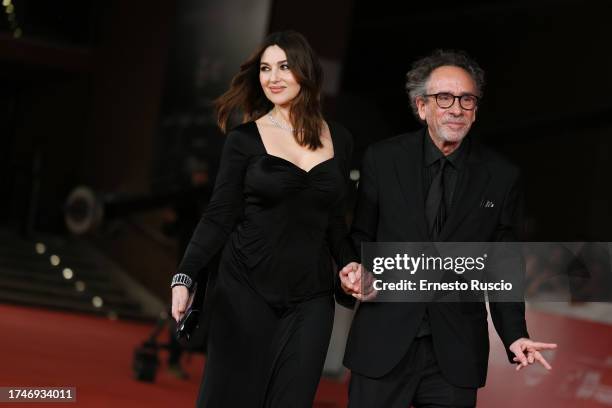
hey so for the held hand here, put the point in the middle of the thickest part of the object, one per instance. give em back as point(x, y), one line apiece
point(357, 282)
point(350, 278)
point(180, 298)
point(366, 286)
point(528, 352)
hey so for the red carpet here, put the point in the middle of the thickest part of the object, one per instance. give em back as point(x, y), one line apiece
point(582, 367)
point(48, 348)
point(55, 349)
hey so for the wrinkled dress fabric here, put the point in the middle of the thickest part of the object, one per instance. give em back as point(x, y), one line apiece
point(279, 228)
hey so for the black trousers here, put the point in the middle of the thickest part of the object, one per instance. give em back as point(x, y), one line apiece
point(260, 357)
point(416, 380)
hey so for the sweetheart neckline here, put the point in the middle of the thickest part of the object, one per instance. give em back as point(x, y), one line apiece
point(298, 167)
point(263, 145)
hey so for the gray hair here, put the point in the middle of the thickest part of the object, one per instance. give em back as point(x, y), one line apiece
point(418, 76)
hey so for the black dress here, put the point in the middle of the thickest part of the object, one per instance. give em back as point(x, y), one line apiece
point(272, 306)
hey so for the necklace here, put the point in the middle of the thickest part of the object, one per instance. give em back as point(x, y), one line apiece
point(278, 124)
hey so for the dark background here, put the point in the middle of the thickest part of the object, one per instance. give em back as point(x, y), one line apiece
point(116, 95)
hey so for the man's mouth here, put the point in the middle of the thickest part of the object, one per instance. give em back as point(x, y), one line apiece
point(455, 125)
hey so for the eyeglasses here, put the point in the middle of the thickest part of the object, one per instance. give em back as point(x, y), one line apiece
point(445, 100)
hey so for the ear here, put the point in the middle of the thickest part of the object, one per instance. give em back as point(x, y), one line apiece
point(420, 103)
point(474, 114)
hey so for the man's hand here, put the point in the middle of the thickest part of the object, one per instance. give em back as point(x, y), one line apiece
point(180, 299)
point(528, 352)
point(350, 279)
point(356, 282)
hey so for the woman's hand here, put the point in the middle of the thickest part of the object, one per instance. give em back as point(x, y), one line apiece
point(180, 298)
point(357, 282)
point(350, 279)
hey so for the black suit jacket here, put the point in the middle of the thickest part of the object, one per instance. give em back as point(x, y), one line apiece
point(390, 208)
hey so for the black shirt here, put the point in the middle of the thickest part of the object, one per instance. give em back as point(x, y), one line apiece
point(431, 166)
point(455, 164)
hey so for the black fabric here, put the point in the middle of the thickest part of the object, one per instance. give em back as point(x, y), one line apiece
point(440, 175)
point(390, 208)
point(435, 213)
point(416, 381)
point(280, 228)
point(435, 207)
point(455, 164)
point(275, 217)
point(262, 357)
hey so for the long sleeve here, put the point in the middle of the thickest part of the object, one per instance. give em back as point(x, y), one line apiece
point(509, 317)
point(365, 218)
point(337, 231)
point(223, 210)
point(365, 221)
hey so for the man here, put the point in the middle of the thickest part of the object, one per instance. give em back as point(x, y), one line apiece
point(429, 186)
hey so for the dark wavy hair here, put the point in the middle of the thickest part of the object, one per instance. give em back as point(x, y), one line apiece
point(246, 95)
point(418, 76)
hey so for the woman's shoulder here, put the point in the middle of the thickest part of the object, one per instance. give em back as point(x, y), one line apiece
point(244, 137)
point(340, 135)
point(249, 129)
point(338, 130)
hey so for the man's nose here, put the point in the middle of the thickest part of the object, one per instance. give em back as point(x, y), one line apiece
point(456, 109)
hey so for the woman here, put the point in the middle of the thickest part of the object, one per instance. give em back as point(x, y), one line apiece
point(276, 212)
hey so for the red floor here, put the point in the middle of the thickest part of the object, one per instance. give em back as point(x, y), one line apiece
point(48, 348)
point(53, 349)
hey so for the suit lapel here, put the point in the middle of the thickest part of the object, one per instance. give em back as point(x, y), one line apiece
point(470, 186)
point(409, 168)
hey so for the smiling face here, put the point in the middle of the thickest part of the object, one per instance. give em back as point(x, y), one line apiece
point(277, 81)
point(449, 125)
